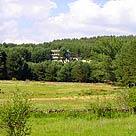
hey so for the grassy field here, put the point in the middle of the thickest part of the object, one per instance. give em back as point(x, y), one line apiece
point(82, 127)
point(47, 95)
point(70, 96)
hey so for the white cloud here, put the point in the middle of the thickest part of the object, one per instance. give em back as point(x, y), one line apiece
point(16, 15)
point(31, 8)
point(37, 8)
point(87, 17)
point(31, 20)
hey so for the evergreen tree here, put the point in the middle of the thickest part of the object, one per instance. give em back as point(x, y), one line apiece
point(3, 68)
point(126, 64)
point(64, 74)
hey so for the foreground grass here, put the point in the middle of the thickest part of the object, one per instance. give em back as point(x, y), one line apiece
point(81, 127)
point(59, 126)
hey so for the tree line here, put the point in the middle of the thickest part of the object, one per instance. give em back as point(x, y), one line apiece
point(110, 58)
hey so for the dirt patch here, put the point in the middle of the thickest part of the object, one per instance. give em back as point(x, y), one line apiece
point(73, 98)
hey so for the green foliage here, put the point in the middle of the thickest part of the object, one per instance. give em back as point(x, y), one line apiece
point(15, 115)
point(3, 68)
point(110, 58)
point(80, 72)
point(64, 74)
point(102, 68)
point(52, 70)
point(130, 99)
point(40, 55)
point(126, 64)
point(17, 66)
point(38, 70)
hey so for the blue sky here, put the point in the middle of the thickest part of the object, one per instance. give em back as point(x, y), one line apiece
point(24, 21)
point(62, 5)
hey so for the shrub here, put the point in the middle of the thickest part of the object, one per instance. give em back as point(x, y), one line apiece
point(127, 100)
point(14, 79)
point(15, 115)
point(130, 99)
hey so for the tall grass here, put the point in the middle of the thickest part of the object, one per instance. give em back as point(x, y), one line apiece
point(62, 109)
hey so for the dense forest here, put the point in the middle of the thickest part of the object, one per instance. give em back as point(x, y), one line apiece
point(108, 59)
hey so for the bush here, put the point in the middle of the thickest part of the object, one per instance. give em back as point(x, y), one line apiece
point(15, 115)
point(127, 100)
point(130, 99)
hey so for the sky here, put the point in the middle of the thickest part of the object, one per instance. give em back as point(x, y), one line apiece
point(36, 21)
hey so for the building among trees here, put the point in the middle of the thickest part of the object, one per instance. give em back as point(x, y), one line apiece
point(56, 55)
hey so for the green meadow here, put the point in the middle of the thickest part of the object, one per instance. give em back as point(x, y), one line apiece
point(54, 95)
point(72, 99)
